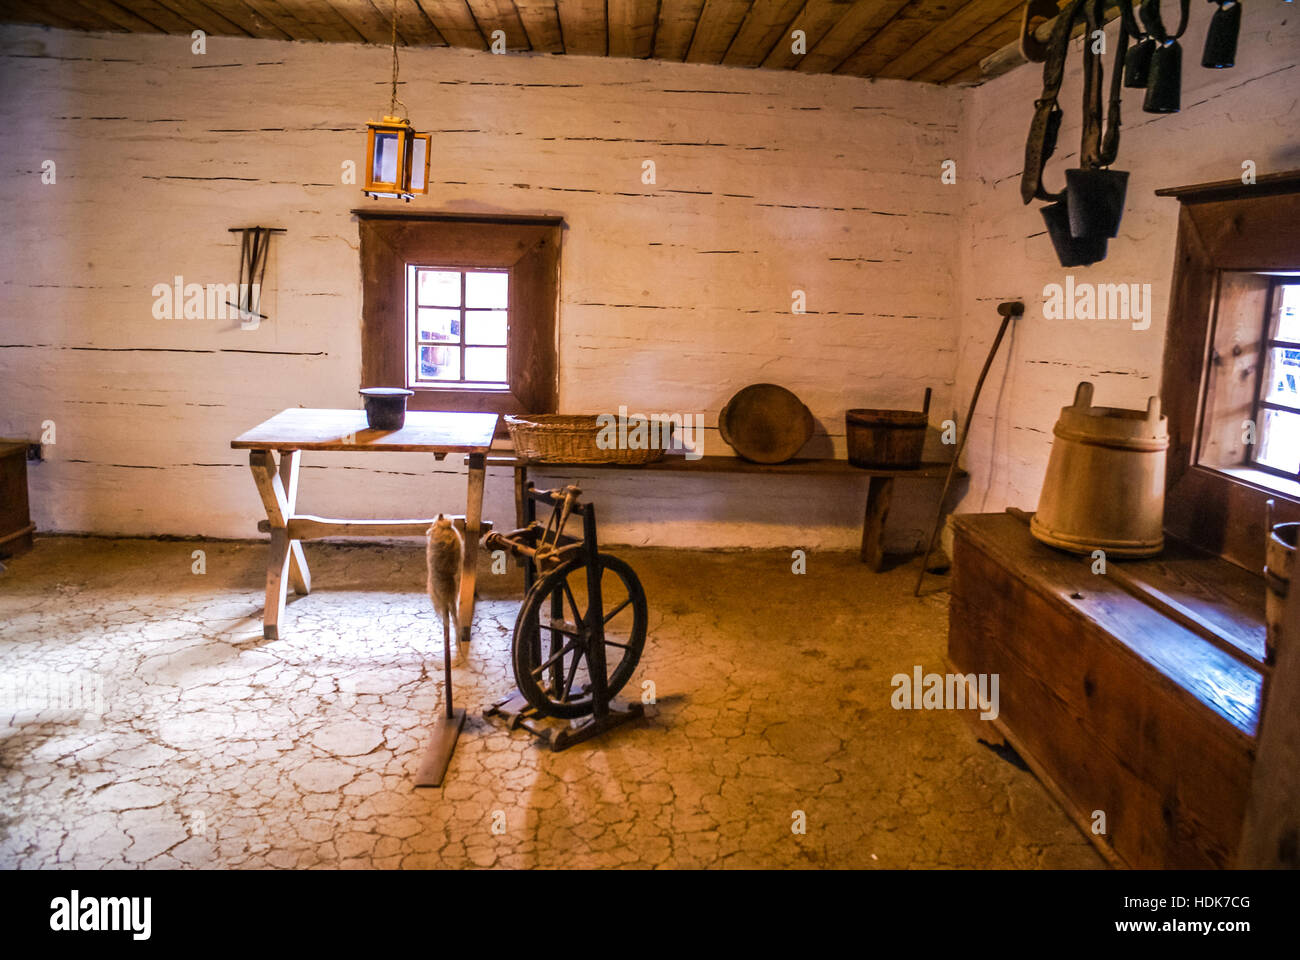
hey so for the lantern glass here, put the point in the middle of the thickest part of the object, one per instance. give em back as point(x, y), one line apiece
point(419, 182)
point(387, 158)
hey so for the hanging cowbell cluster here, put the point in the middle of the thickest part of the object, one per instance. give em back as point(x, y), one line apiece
point(1082, 218)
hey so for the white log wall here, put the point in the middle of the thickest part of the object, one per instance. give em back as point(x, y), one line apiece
point(1247, 112)
point(673, 295)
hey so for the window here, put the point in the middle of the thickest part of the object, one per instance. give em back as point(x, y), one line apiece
point(461, 309)
point(458, 324)
point(1231, 366)
point(1277, 446)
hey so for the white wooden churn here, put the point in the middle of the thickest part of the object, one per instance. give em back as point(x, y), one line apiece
point(1105, 483)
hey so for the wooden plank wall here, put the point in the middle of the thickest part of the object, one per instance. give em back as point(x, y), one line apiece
point(673, 294)
point(1228, 117)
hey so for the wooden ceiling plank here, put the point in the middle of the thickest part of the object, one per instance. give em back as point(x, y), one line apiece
point(204, 19)
point(765, 24)
point(367, 19)
point(857, 27)
point(973, 50)
point(719, 22)
point(31, 11)
point(284, 19)
point(815, 20)
point(119, 16)
point(542, 24)
point(417, 27)
point(676, 26)
point(243, 16)
point(493, 15)
point(895, 38)
point(582, 24)
point(163, 16)
point(456, 23)
point(948, 36)
point(321, 20)
point(631, 27)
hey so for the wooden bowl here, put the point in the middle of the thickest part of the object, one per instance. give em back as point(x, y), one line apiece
point(765, 423)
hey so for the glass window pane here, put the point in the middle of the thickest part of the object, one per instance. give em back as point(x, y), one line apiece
point(439, 325)
point(1288, 321)
point(439, 288)
point(439, 363)
point(1283, 383)
point(1279, 440)
point(386, 151)
point(487, 289)
point(486, 326)
point(419, 155)
point(485, 364)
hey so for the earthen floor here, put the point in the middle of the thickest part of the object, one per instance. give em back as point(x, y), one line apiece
point(147, 723)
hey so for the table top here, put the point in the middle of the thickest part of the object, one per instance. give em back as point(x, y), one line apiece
point(300, 428)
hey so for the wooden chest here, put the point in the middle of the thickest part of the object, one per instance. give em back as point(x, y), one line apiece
point(1117, 705)
point(15, 516)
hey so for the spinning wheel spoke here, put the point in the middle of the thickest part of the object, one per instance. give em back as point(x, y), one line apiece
point(610, 616)
point(562, 626)
point(573, 672)
point(568, 591)
point(615, 643)
point(547, 665)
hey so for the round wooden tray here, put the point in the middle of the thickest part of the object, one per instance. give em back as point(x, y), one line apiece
point(765, 423)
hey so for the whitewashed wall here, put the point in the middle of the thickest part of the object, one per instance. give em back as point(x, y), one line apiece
point(672, 296)
point(1248, 112)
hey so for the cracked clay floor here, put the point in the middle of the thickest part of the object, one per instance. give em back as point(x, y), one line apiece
point(148, 724)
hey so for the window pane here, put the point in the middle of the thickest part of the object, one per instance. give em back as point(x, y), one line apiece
point(439, 288)
point(439, 325)
point(1288, 321)
point(486, 364)
point(386, 151)
point(486, 326)
point(487, 289)
point(439, 363)
point(1279, 441)
point(1283, 384)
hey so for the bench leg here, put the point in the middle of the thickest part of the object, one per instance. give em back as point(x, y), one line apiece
point(477, 464)
point(880, 491)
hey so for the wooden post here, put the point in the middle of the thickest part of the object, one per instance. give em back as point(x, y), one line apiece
point(262, 463)
point(299, 575)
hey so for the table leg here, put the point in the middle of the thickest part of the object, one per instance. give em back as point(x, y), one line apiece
point(521, 484)
point(262, 464)
point(477, 464)
point(880, 491)
point(299, 575)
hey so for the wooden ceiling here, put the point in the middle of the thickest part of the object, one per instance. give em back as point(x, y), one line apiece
point(932, 41)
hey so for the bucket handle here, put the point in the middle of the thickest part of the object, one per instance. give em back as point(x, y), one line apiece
point(1083, 394)
point(1153, 410)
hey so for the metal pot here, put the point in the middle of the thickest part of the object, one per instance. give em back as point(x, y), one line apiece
point(386, 406)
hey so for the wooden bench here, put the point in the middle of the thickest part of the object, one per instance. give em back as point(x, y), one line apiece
point(880, 483)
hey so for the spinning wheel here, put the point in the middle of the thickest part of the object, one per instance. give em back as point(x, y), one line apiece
point(564, 636)
point(581, 628)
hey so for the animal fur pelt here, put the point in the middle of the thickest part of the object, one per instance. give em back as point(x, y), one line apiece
point(444, 554)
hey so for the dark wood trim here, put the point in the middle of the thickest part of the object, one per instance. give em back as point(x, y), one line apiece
point(392, 213)
point(529, 247)
point(1218, 230)
point(1269, 184)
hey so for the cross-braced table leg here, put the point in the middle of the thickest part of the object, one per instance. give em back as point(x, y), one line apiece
point(477, 464)
point(279, 491)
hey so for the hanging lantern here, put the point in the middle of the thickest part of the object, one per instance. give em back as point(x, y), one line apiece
point(397, 158)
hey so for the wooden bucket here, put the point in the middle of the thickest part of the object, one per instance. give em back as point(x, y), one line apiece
point(886, 439)
point(1105, 483)
point(1279, 561)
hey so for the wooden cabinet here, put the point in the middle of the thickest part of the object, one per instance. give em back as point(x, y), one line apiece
point(1137, 701)
point(15, 516)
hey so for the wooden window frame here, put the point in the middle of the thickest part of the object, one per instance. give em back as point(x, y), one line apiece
point(527, 247)
point(1222, 226)
point(1269, 341)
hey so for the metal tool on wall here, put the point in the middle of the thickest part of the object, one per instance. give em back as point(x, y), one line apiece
point(254, 246)
point(1008, 311)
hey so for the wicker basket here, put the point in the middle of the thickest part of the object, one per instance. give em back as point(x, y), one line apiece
point(571, 438)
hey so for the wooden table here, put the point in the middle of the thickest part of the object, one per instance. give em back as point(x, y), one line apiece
point(290, 432)
point(880, 483)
